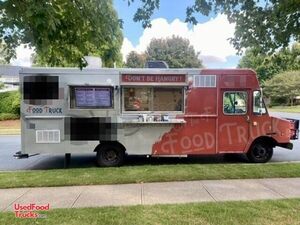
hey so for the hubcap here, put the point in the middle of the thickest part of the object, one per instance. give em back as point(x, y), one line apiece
point(110, 155)
point(260, 152)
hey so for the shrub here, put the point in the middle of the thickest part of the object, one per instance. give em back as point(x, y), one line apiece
point(279, 101)
point(1, 85)
point(9, 116)
point(10, 102)
point(283, 86)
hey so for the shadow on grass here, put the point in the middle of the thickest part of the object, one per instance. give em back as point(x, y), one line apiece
point(89, 161)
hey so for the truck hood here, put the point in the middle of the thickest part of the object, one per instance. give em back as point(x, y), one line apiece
point(285, 129)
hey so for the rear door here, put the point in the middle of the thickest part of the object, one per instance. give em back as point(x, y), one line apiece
point(233, 120)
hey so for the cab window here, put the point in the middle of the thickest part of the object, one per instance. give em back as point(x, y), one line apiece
point(235, 102)
point(258, 104)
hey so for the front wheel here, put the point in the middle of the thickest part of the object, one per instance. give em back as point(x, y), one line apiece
point(260, 152)
point(110, 155)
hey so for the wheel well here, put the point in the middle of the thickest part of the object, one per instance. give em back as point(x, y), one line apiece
point(111, 143)
point(271, 141)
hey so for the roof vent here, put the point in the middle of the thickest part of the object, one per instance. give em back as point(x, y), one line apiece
point(156, 64)
point(93, 62)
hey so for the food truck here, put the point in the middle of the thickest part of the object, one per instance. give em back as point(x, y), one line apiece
point(151, 112)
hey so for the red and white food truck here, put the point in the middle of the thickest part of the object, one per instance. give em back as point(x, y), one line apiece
point(153, 112)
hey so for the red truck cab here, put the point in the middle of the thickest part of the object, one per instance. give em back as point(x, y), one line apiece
point(225, 113)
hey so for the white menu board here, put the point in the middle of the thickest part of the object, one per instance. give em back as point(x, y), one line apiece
point(93, 97)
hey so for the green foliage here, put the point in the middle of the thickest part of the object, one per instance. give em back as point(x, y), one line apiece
point(266, 25)
point(144, 13)
point(9, 116)
point(176, 51)
point(284, 85)
point(267, 66)
point(10, 102)
point(3, 54)
point(135, 60)
point(62, 31)
point(1, 84)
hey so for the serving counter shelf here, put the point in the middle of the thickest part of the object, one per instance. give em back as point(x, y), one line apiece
point(173, 121)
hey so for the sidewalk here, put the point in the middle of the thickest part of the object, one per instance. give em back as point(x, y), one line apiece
point(152, 193)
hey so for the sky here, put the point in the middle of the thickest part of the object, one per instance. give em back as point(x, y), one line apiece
point(209, 36)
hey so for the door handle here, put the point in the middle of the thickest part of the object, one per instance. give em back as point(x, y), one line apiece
point(248, 118)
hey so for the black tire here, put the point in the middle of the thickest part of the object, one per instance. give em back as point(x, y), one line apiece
point(260, 152)
point(110, 155)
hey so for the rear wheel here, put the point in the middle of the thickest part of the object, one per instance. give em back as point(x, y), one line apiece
point(260, 152)
point(110, 155)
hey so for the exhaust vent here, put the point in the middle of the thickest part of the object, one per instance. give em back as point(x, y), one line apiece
point(47, 136)
point(205, 81)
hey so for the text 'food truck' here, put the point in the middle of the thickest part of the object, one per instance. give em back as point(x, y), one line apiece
point(153, 112)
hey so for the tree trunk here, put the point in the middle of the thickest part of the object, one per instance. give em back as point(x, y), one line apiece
point(291, 98)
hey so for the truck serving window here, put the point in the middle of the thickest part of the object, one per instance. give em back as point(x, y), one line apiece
point(153, 99)
point(83, 97)
point(235, 102)
point(40, 87)
point(167, 99)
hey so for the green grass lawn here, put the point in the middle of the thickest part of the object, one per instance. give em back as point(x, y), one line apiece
point(291, 109)
point(145, 173)
point(275, 212)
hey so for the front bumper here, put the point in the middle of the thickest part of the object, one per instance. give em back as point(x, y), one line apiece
point(286, 145)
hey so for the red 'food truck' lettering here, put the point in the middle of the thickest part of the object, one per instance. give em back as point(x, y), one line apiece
point(228, 129)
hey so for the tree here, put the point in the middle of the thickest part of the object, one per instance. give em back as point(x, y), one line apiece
point(265, 25)
point(62, 31)
point(176, 51)
point(284, 85)
point(135, 60)
point(267, 66)
point(3, 54)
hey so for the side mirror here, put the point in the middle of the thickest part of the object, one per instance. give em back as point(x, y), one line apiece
point(261, 105)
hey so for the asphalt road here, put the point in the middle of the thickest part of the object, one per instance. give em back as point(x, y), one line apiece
point(11, 144)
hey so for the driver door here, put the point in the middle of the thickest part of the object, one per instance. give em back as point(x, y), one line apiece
point(233, 121)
